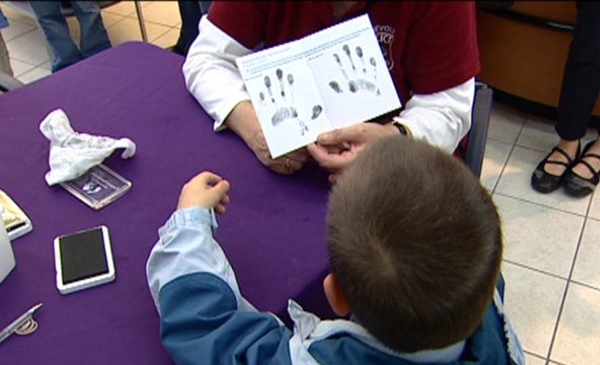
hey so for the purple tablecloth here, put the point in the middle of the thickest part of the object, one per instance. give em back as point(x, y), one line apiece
point(273, 232)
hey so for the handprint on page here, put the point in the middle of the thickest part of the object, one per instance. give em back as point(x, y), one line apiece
point(363, 75)
point(279, 101)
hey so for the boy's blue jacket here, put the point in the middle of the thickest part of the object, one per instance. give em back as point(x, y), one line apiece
point(205, 320)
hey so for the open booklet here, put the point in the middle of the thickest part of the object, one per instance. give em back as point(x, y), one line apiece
point(327, 80)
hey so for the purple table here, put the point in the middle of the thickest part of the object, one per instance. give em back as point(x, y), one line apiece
point(273, 233)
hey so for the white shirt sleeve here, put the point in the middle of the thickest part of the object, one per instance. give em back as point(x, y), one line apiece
point(443, 118)
point(211, 74)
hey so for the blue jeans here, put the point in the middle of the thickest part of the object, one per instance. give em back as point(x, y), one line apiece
point(94, 37)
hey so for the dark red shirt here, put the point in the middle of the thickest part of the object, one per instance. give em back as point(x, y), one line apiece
point(428, 46)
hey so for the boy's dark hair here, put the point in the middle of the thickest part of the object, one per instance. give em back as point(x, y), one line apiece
point(415, 244)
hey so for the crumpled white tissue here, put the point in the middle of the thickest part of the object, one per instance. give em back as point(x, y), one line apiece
point(72, 153)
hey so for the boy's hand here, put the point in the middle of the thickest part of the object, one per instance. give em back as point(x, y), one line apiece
point(205, 190)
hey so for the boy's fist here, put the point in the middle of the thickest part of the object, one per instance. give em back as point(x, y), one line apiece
point(205, 190)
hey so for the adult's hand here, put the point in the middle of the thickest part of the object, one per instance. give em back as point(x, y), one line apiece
point(337, 149)
point(244, 122)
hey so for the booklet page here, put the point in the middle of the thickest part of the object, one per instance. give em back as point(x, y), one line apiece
point(327, 80)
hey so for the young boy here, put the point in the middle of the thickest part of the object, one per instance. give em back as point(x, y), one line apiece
point(415, 250)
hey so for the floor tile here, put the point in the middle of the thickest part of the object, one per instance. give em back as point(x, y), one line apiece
point(124, 8)
point(534, 360)
point(34, 75)
point(74, 28)
point(109, 19)
point(537, 236)
point(516, 182)
point(128, 30)
point(587, 270)
point(539, 134)
point(30, 48)
point(595, 206)
point(505, 124)
point(14, 14)
point(20, 67)
point(144, 4)
point(532, 301)
point(578, 335)
point(168, 39)
point(46, 65)
point(16, 29)
point(162, 12)
point(495, 157)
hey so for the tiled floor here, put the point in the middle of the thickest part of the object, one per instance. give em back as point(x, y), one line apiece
point(553, 285)
point(552, 242)
point(27, 48)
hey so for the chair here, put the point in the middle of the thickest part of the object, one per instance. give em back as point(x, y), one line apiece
point(8, 83)
point(477, 136)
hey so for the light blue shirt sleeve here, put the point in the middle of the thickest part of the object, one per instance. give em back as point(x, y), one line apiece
point(203, 317)
point(186, 246)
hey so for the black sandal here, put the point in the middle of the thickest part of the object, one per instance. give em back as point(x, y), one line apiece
point(578, 186)
point(544, 182)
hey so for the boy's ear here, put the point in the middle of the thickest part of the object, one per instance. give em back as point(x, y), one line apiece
point(337, 299)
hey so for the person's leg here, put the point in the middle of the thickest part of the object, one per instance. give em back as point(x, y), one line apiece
point(579, 93)
point(191, 31)
point(180, 44)
point(581, 82)
point(94, 37)
point(204, 6)
point(191, 12)
point(56, 30)
point(4, 59)
point(584, 83)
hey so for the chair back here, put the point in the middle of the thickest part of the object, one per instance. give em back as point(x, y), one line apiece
point(482, 109)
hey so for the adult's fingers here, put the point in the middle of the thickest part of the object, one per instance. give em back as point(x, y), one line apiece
point(300, 156)
point(288, 166)
point(330, 161)
point(352, 134)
